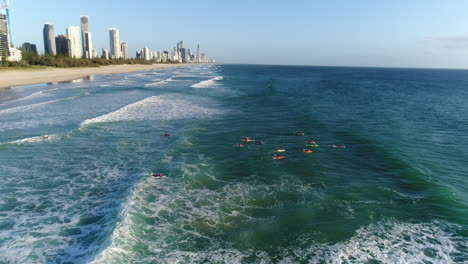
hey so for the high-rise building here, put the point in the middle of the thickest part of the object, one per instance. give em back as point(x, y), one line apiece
point(88, 44)
point(87, 47)
point(183, 55)
point(73, 34)
point(4, 44)
point(114, 43)
point(146, 54)
point(105, 54)
point(94, 53)
point(124, 49)
point(28, 47)
point(198, 54)
point(63, 45)
point(165, 56)
point(49, 40)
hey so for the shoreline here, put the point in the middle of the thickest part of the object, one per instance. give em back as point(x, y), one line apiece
point(14, 78)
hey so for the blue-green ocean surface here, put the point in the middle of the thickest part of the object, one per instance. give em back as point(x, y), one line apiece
point(397, 192)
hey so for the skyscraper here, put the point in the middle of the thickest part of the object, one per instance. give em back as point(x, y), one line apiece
point(4, 46)
point(28, 47)
point(114, 43)
point(183, 55)
point(73, 34)
point(63, 45)
point(124, 49)
point(87, 47)
point(49, 40)
point(198, 53)
point(146, 54)
point(88, 44)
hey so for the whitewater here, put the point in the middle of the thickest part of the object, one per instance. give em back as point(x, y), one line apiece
point(76, 161)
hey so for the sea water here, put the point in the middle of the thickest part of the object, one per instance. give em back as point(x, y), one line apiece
point(397, 192)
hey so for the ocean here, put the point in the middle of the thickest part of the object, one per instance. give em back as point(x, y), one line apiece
point(387, 181)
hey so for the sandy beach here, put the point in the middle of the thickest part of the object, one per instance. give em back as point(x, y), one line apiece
point(11, 78)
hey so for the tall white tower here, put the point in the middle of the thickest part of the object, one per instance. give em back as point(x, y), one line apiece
point(114, 43)
point(73, 34)
point(124, 49)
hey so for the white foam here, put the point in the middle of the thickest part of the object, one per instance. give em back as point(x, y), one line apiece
point(159, 82)
point(32, 106)
point(29, 97)
point(36, 139)
point(207, 83)
point(155, 108)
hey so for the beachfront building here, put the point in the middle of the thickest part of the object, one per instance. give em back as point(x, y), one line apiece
point(87, 45)
point(124, 49)
point(105, 54)
point(49, 40)
point(28, 47)
point(146, 54)
point(165, 57)
point(73, 34)
point(183, 54)
point(94, 53)
point(197, 59)
point(4, 43)
point(114, 43)
point(15, 55)
point(62, 45)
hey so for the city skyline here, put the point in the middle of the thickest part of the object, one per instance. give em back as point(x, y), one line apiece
point(365, 33)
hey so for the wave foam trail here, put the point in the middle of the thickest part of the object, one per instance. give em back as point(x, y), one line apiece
point(159, 82)
point(207, 83)
point(37, 139)
point(32, 106)
point(155, 108)
point(29, 97)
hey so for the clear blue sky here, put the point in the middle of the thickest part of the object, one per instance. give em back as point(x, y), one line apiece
point(393, 33)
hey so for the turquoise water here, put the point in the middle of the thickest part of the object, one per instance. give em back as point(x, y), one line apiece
point(398, 192)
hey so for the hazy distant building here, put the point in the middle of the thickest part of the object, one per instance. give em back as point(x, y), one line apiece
point(105, 54)
point(183, 54)
point(138, 54)
point(73, 34)
point(197, 59)
point(87, 45)
point(146, 54)
point(114, 43)
point(165, 56)
point(62, 45)
point(124, 49)
point(94, 53)
point(49, 40)
point(28, 47)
